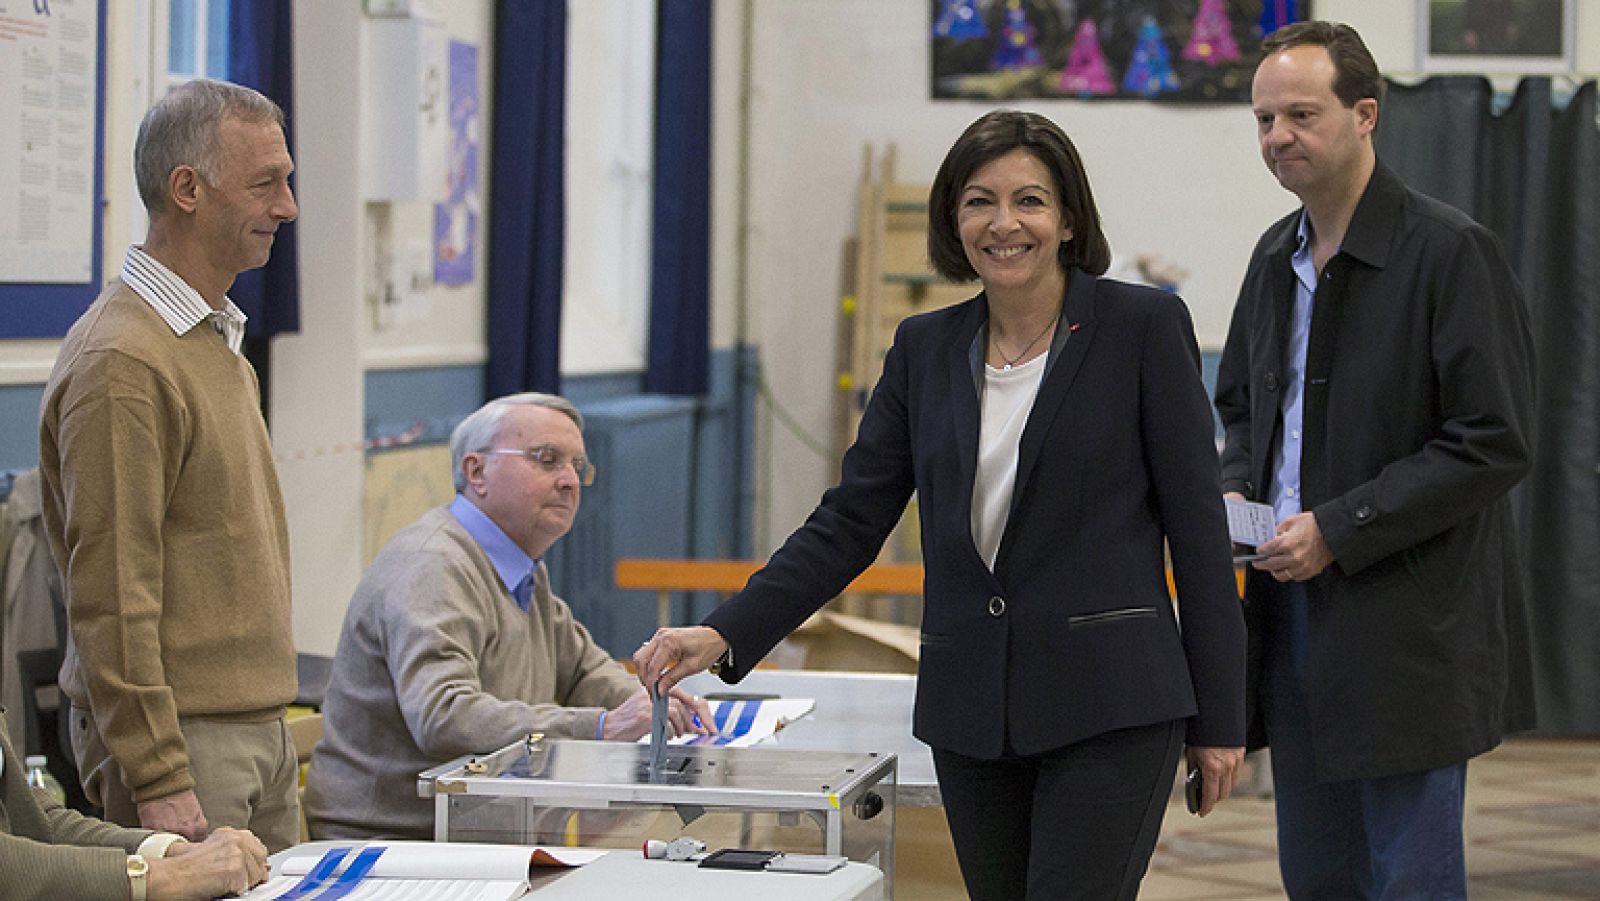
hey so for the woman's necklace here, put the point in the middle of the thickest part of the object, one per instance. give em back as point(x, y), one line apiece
point(1012, 361)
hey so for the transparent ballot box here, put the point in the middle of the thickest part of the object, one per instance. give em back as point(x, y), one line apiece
point(605, 794)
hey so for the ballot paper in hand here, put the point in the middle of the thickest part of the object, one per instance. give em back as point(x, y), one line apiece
point(744, 722)
point(658, 729)
point(1249, 523)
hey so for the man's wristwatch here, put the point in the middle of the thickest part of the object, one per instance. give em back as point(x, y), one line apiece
point(138, 875)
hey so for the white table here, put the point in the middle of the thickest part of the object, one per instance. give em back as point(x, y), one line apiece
point(854, 712)
point(627, 874)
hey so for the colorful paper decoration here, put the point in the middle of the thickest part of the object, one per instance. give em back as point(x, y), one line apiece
point(1016, 49)
point(960, 21)
point(1277, 13)
point(1211, 39)
point(1150, 71)
point(1086, 71)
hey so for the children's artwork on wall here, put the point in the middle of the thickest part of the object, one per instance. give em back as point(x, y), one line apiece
point(1183, 51)
point(455, 219)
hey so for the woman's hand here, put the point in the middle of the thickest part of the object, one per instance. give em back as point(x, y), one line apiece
point(1219, 773)
point(672, 655)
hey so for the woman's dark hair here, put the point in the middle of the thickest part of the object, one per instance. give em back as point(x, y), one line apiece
point(991, 137)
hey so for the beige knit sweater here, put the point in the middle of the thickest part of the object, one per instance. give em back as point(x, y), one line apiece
point(165, 517)
point(436, 660)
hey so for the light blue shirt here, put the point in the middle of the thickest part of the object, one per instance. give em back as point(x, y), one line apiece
point(512, 563)
point(1286, 470)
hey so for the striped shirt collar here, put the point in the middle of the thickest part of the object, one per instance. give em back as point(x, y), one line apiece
point(178, 304)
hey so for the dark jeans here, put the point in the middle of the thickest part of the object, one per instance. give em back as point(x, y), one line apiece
point(1077, 822)
point(1395, 837)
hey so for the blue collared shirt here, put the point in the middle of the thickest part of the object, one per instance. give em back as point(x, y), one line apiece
point(512, 563)
point(1286, 470)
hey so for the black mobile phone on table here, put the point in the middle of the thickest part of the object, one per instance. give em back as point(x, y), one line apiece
point(738, 859)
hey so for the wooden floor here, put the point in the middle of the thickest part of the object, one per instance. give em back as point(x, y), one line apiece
point(1532, 831)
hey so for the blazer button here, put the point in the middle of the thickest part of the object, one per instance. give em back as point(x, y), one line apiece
point(1272, 381)
point(997, 606)
point(1363, 513)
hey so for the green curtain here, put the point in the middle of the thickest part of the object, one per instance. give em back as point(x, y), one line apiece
point(1532, 174)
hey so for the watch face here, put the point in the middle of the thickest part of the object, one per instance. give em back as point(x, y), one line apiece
point(138, 873)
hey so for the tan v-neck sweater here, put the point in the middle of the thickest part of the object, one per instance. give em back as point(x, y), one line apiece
point(164, 515)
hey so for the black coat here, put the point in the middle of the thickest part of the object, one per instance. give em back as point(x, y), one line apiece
point(1419, 385)
point(1073, 634)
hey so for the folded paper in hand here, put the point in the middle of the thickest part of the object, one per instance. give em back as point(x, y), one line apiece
point(1249, 523)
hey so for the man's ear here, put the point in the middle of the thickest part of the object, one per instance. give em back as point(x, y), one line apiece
point(472, 472)
point(1367, 114)
point(183, 187)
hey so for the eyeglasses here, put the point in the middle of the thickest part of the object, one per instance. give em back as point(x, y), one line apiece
point(551, 460)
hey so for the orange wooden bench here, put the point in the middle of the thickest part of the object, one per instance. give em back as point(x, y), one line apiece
point(727, 576)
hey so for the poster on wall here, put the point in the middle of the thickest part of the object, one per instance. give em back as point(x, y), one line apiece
point(1175, 51)
point(455, 220)
point(1496, 35)
point(48, 84)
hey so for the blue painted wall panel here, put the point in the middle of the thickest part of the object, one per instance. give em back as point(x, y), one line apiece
point(19, 426)
point(436, 399)
point(639, 506)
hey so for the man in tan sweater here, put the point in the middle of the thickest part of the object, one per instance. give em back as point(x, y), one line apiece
point(161, 500)
point(48, 853)
point(454, 644)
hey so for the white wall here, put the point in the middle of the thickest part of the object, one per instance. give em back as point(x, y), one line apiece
point(828, 76)
point(317, 397)
point(315, 389)
point(610, 139)
point(448, 328)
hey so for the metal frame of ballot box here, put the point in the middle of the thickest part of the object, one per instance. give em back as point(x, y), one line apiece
point(529, 791)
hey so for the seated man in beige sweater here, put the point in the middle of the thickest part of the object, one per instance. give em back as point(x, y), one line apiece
point(453, 643)
point(48, 853)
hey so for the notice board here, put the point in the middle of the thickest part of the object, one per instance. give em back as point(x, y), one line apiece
point(52, 134)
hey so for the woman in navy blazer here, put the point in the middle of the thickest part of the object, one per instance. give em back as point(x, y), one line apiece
point(1057, 433)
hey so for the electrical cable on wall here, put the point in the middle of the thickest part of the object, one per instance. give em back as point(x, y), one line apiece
point(793, 426)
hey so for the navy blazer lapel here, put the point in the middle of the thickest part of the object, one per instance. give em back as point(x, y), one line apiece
point(963, 392)
point(1077, 317)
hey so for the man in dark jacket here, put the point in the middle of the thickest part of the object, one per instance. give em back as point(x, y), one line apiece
point(1375, 389)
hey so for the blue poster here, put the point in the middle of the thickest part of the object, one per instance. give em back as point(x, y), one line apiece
point(455, 221)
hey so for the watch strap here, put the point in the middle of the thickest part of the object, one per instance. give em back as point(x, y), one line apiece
point(138, 876)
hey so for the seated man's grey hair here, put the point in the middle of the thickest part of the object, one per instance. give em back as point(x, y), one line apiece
point(478, 431)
